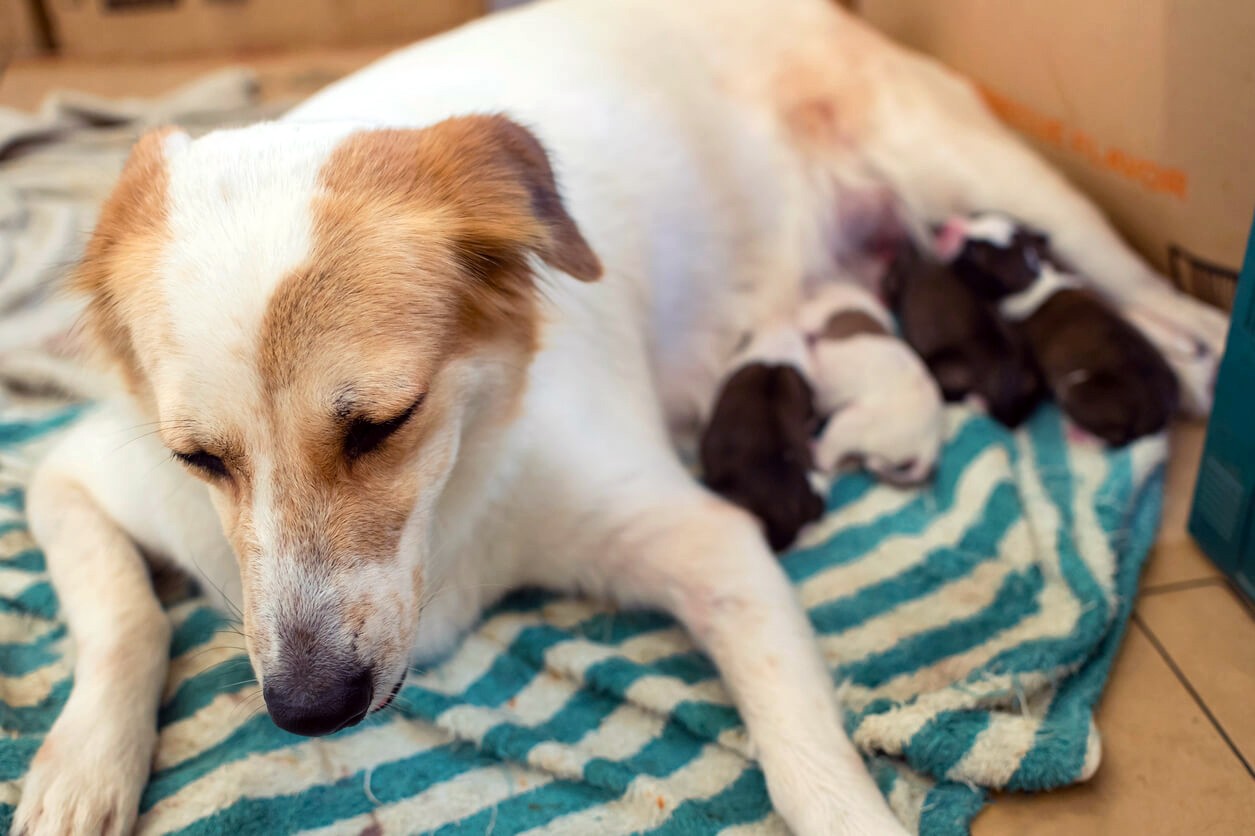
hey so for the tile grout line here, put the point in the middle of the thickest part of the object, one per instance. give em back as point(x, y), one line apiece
point(1246, 603)
point(1198, 699)
point(1178, 586)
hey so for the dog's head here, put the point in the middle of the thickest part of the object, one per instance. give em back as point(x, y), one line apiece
point(995, 254)
point(902, 449)
point(317, 317)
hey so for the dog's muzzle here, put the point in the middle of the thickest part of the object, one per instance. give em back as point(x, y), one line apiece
point(314, 708)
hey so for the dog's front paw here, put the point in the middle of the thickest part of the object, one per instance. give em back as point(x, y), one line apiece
point(845, 823)
point(820, 811)
point(85, 779)
point(819, 794)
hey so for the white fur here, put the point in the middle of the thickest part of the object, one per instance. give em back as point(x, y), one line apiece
point(673, 131)
point(1020, 306)
point(990, 227)
point(886, 408)
point(836, 297)
point(780, 342)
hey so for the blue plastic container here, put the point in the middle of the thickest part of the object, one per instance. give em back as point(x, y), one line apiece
point(1222, 518)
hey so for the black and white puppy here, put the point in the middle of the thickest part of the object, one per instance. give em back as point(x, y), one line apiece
point(1105, 374)
point(756, 447)
point(968, 349)
point(883, 408)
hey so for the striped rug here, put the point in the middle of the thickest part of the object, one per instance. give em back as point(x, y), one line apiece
point(969, 626)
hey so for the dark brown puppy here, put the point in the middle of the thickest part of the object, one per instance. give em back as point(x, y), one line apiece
point(960, 337)
point(1104, 373)
point(756, 448)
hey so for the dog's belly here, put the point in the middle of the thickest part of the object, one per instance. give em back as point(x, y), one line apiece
point(712, 176)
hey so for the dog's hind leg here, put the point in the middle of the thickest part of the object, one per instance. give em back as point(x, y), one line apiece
point(935, 143)
point(88, 774)
point(706, 562)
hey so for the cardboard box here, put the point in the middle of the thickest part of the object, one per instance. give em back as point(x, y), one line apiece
point(130, 29)
point(21, 33)
point(1148, 105)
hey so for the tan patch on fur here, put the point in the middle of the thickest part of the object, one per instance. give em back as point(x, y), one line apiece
point(121, 256)
point(356, 613)
point(814, 121)
point(422, 247)
point(845, 324)
point(427, 231)
point(825, 104)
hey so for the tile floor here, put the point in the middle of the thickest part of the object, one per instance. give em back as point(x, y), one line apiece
point(1178, 719)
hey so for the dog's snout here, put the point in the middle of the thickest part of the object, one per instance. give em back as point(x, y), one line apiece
point(324, 705)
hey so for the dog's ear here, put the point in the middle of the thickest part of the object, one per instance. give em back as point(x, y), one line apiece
point(124, 242)
point(498, 177)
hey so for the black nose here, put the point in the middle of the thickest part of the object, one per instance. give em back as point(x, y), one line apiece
point(322, 709)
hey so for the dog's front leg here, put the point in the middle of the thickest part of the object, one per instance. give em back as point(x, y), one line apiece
point(88, 774)
point(706, 562)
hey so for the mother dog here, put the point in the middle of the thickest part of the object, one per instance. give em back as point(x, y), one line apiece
point(393, 369)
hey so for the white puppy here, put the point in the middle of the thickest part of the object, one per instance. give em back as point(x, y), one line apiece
point(885, 407)
point(384, 383)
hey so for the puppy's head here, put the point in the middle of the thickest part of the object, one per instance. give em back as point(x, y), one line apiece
point(996, 255)
point(896, 433)
point(318, 317)
point(755, 450)
point(903, 450)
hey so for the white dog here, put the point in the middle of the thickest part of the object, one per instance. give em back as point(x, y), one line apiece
point(369, 339)
point(885, 407)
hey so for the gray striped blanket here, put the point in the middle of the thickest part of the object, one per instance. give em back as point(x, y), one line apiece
point(970, 627)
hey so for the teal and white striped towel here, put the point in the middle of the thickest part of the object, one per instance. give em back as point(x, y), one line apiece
point(970, 628)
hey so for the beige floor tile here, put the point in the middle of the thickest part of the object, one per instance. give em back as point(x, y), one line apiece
point(1210, 636)
point(1175, 556)
point(1165, 768)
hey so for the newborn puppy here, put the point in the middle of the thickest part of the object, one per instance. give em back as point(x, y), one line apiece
point(756, 448)
point(886, 408)
point(968, 349)
point(1104, 373)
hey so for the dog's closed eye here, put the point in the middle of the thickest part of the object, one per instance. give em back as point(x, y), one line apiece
point(206, 463)
point(365, 436)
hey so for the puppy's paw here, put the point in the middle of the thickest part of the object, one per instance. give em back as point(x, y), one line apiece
point(85, 778)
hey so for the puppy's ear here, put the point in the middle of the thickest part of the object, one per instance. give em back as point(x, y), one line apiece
point(498, 177)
